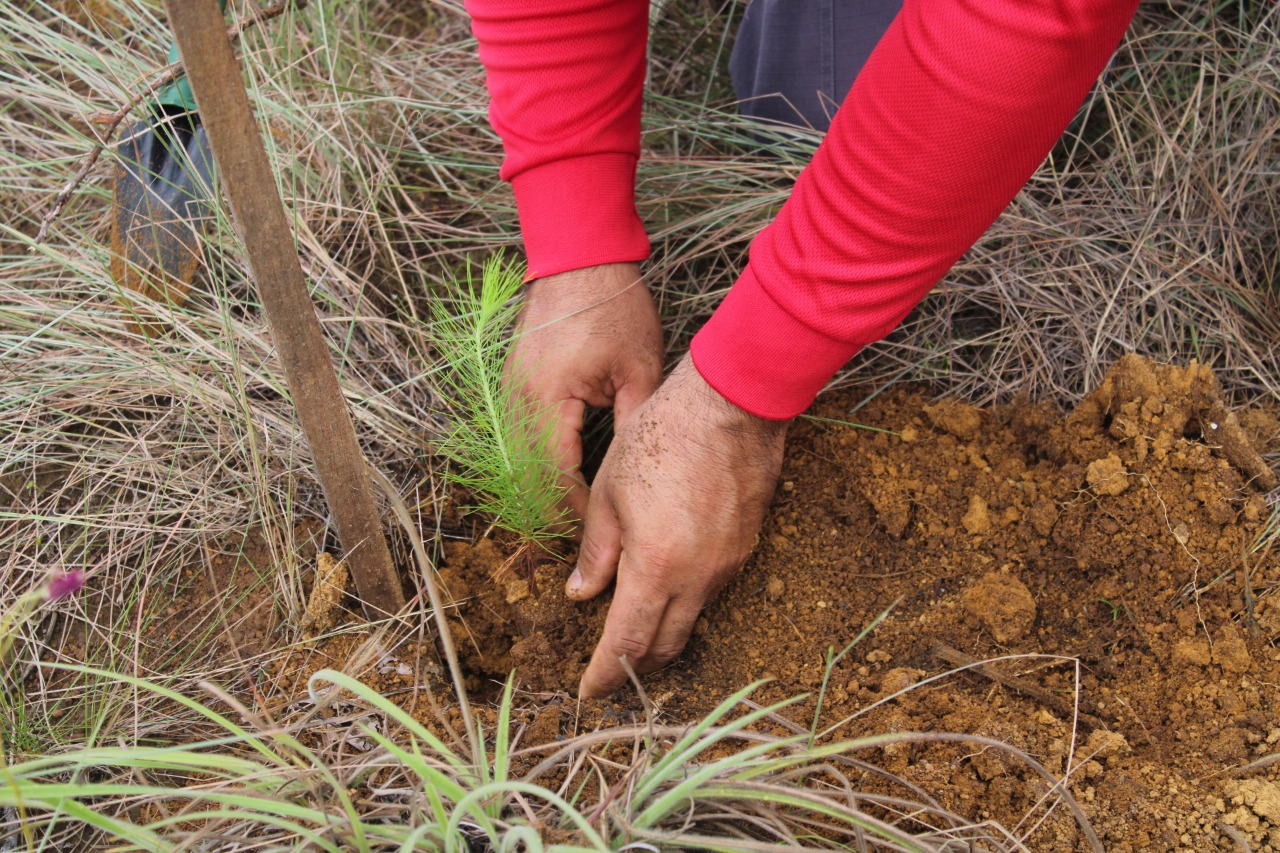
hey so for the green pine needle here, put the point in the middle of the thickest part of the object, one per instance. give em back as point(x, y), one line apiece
point(500, 443)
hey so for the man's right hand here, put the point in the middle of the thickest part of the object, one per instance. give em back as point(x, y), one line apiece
point(588, 337)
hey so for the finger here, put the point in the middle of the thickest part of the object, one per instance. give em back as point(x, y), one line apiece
point(629, 631)
point(673, 634)
point(631, 395)
point(600, 550)
point(568, 450)
point(564, 416)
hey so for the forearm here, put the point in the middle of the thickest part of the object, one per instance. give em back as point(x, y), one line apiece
point(953, 112)
point(566, 81)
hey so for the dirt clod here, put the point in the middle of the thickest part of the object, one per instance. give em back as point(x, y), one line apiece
point(1102, 745)
point(957, 418)
point(1003, 605)
point(1107, 476)
point(1231, 652)
point(324, 605)
point(1262, 798)
point(977, 520)
point(516, 589)
point(898, 679)
point(1192, 652)
point(1141, 397)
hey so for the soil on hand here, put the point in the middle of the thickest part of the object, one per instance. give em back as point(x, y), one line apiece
point(1105, 560)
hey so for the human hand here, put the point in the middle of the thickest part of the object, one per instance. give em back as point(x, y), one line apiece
point(588, 337)
point(673, 513)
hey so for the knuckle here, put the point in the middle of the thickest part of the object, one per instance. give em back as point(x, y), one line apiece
point(662, 570)
point(593, 553)
point(675, 574)
point(659, 561)
point(633, 648)
point(665, 652)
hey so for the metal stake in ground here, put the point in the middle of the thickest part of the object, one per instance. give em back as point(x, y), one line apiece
point(273, 261)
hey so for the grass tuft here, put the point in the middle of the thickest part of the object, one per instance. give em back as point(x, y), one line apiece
point(354, 771)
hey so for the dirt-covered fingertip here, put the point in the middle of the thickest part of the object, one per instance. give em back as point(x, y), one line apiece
point(593, 685)
point(573, 586)
point(583, 586)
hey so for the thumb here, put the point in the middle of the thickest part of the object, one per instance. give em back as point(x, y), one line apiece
point(568, 449)
point(601, 548)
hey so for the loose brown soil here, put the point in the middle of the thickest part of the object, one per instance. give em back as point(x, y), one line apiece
point(1104, 557)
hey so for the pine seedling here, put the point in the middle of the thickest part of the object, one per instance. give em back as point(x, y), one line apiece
point(500, 442)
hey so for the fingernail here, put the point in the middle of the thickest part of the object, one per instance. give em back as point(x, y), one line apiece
point(574, 585)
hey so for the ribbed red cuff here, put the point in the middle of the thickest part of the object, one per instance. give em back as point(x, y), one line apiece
point(762, 359)
point(580, 212)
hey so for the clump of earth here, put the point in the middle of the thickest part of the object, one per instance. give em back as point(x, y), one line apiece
point(1109, 562)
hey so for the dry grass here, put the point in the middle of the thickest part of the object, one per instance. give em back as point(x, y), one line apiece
point(1153, 228)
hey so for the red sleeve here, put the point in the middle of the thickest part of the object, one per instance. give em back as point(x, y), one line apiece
point(953, 112)
point(566, 81)
point(957, 106)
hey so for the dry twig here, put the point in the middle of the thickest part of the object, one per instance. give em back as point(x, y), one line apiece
point(1019, 685)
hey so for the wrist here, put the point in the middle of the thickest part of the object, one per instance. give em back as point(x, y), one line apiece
point(760, 356)
point(585, 288)
point(594, 278)
point(718, 411)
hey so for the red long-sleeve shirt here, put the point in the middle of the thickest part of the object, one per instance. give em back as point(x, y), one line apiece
point(953, 111)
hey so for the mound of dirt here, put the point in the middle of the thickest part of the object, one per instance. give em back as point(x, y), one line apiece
point(1120, 536)
point(1086, 588)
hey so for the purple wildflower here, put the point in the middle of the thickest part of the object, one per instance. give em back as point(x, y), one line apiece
point(65, 583)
